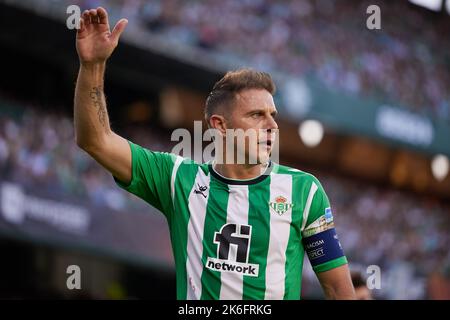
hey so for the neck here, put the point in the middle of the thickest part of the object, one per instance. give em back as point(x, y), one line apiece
point(240, 171)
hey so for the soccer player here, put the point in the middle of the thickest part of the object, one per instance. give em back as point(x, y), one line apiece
point(238, 230)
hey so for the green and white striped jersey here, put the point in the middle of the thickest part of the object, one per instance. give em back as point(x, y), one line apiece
point(235, 239)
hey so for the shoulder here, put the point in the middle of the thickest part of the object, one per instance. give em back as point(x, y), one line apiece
point(298, 174)
point(187, 164)
point(303, 182)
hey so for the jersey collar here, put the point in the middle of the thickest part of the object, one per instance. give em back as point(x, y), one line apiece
point(225, 180)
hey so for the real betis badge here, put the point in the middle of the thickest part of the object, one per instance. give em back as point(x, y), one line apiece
point(280, 205)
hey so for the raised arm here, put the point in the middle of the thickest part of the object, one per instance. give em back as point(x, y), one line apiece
point(95, 44)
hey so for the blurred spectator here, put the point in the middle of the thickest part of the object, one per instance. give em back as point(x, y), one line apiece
point(361, 290)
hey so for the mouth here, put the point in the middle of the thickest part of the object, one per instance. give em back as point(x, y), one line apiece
point(266, 143)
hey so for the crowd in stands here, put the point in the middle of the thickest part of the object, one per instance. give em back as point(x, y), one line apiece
point(38, 150)
point(390, 228)
point(406, 62)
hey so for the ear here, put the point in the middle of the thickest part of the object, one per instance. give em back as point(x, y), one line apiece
point(218, 122)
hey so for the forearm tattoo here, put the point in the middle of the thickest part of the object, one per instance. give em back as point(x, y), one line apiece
point(97, 100)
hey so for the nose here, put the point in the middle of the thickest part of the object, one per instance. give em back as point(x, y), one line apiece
point(272, 124)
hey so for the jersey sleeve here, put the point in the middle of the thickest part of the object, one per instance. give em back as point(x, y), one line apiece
point(151, 177)
point(319, 236)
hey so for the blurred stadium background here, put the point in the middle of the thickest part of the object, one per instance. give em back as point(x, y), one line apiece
point(366, 111)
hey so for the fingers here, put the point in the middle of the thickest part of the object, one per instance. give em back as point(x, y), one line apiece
point(118, 29)
point(86, 17)
point(82, 26)
point(102, 15)
point(94, 16)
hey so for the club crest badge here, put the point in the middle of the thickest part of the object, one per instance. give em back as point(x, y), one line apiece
point(280, 205)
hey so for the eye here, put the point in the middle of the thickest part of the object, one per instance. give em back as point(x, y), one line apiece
point(256, 115)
